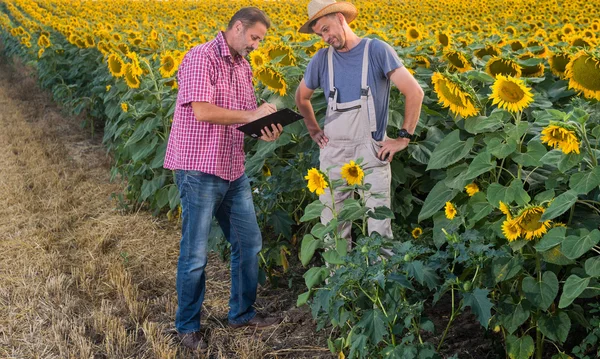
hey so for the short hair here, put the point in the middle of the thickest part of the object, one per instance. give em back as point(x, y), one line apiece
point(249, 16)
point(314, 22)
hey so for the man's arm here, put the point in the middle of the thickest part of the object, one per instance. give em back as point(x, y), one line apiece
point(413, 94)
point(303, 96)
point(207, 112)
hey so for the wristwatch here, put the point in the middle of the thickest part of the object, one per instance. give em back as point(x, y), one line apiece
point(402, 133)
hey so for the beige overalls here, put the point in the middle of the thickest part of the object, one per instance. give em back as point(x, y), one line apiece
point(348, 126)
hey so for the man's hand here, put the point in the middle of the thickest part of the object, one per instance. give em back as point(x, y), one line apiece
point(271, 135)
point(262, 111)
point(390, 147)
point(320, 138)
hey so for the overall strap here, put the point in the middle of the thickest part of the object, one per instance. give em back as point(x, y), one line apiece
point(364, 89)
point(332, 89)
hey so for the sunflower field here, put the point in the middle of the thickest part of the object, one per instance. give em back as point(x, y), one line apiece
point(495, 205)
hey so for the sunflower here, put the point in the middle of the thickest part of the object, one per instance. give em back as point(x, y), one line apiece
point(413, 34)
point(558, 63)
point(450, 210)
point(579, 41)
point(266, 171)
point(531, 71)
point(273, 79)
point(583, 72)
point(511, 31)
point(560, 135)
point(443, 38)
point(451, 94)
point(116, 66)
point(471, 189)
point(567, 29)
point(516, 45)
point(168, 65)
point(502, 66)
point(510, 93)
point(352, 173)
point(123, 48)
point(124, 107)
point(281, 49)
point(132, 80)
point(511, 230)
point(136, 69)
point(422, 61)
point(505, 210)
point(489, 50)
point(103, 48)
point(457, 61)
point(528, 221)
point(316, 181)
point(258, 59)
point(416, 232)
point(44, 41)
point(542, 51)
point(40, 52)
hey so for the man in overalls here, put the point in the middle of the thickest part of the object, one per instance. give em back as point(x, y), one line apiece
point(358, 94)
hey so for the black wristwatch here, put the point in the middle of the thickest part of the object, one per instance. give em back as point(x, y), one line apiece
point(402, 133)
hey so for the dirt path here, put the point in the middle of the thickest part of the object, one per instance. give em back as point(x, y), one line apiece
point(78, 278)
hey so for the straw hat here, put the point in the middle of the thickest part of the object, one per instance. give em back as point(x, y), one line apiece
point(320, 8)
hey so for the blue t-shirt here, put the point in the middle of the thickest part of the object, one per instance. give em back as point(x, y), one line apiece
point(347, 74)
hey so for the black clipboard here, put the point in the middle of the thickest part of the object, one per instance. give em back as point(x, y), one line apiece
point(284, 117)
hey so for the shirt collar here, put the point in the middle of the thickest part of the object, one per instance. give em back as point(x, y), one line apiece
point(223, 47)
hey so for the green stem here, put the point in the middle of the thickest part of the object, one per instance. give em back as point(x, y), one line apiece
point(452, 317)
point(539, 341)
point(588, 146)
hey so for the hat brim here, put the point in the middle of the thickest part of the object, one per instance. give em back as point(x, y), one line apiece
point(347, 9)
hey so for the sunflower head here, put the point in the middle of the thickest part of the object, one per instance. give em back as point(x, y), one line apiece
point(450, 210)
point(443, 38)
point(258, 59)
point(511, 230)
point(471, 189)
point(489, 50)
point(352, 173)
point(132, 80)
point(562, 136)
point(502, 66)
point(511, 94)
point(413, 34)
point(453, 94)
point(168, 65)
point(273, 79)
point(558, 63)
point(457, 61)
point(317, 181)
point(124, 107)
point(505, 210)
point(416, 233)
point(583, 72)
point(116, 66)
point(530, 224)
point(281, 50)
point(536, 70)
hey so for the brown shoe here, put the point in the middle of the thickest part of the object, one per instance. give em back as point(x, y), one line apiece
point(193, 341)
point(258, 322)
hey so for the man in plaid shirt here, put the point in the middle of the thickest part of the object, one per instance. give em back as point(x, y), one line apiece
point(206, 151)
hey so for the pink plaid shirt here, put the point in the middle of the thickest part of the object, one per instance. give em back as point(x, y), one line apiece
point(208, 73)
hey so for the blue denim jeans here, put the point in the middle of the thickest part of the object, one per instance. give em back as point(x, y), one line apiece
point(203, 197)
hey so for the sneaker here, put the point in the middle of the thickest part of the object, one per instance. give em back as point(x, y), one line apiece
point(193, 341)
point(258, 322)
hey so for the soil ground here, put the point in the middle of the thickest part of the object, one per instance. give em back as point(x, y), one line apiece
point(82, 279)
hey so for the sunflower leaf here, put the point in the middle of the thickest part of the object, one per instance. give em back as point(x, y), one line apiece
point(560, 205)
point(450, 151)
point(574, 247)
